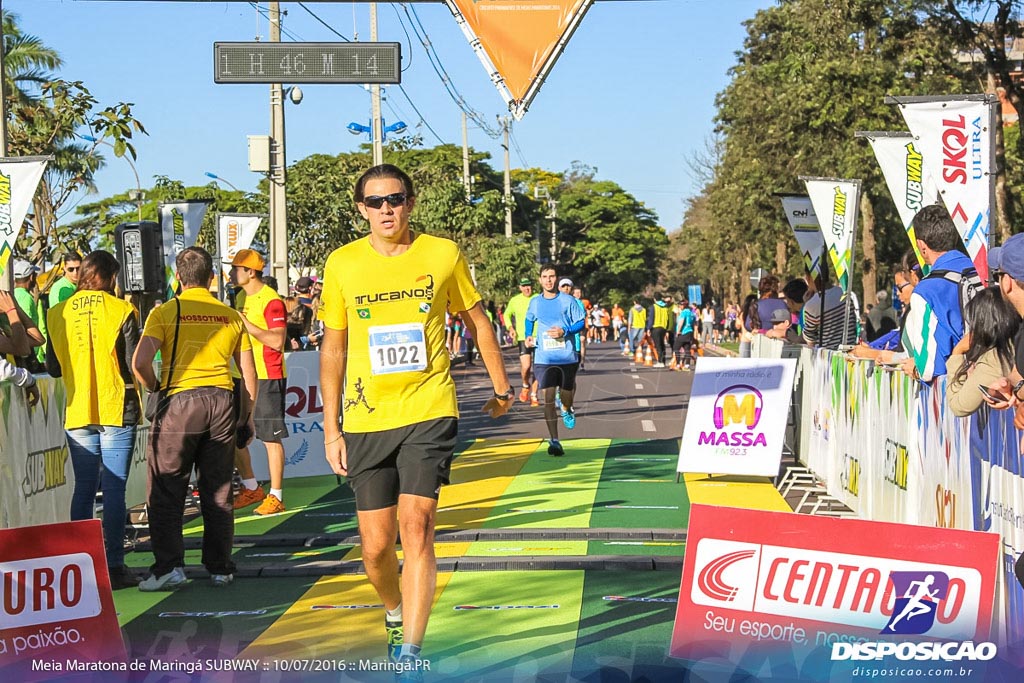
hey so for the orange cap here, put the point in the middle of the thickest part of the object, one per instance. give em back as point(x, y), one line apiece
point(247, 258)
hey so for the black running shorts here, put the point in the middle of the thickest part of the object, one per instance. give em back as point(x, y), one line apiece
point(415, 460)
point(525, 350)
point(269, 411)
point(563, 376)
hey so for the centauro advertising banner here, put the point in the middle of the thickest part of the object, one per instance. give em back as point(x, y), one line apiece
point(955, 139)
point(235, 231)
point(804, 222)
point(19, 179)
point(180, 223)
point(808, 593)
point(736, 420)
point(518, 41)
point(835, 202)
point(911, 187)
point(56, 609)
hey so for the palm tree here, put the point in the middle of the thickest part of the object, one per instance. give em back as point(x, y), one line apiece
point(28, 63)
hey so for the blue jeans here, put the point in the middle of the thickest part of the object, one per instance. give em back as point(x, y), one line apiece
point(111, 448)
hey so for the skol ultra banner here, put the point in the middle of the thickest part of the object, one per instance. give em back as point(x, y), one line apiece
point(56, 610)
point(957, 145)
point(180, 223)
point(812, 598)
point(235, 231)
point(911, 187)
point(518, 41)
point(804, 222)
point(736, 420)
point(19, 179)
point(835, 202)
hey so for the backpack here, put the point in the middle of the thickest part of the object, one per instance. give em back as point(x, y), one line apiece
point(968, 284)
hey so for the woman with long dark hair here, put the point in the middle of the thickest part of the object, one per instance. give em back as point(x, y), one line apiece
point(93, 335)
point(748, 312)
point(985, 353)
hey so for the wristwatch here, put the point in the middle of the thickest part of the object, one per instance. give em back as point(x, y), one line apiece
point(1017, 387)
point(507, 396)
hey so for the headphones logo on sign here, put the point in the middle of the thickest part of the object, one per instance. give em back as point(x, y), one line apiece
point(739, 403)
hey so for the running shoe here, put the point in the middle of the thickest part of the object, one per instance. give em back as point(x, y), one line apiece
point(410, 669)
point(271, 505)
point(122, 577)
point(244, 498)
point(396, 636)
point(221, 580)
point(524, 395)
point(658, 365)
point(569, 418)
point(555, 448)
point(168, 582)
point(534, 403)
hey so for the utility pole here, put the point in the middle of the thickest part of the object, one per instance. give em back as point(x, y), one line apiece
point(377, 124)
point(466, 183)
point(508, 181)
point(278, 205)
point(553, 214)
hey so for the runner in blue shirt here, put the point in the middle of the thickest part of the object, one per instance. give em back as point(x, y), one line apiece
point(552, 320)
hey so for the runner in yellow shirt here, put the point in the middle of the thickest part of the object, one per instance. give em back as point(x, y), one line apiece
point(383, 307)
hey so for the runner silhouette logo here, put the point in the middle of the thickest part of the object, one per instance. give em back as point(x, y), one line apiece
point(725, 574)
point(917, 600)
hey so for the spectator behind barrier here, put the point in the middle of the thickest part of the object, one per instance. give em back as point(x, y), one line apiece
point(935, 322)
point(985, 353)
point(882, 318)
point(889, 347)
point(834, 323)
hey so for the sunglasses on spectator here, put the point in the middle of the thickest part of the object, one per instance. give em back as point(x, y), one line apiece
point(995, 276)
point(376, 201)
point(899, 288)
point(72, 269)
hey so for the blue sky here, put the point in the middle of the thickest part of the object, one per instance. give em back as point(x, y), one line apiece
point(632, 95)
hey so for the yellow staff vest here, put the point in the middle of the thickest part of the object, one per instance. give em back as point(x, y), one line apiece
point(84, 330)
point(660, 316)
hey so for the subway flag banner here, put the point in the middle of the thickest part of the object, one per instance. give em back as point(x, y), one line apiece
point(56, 601)
point(956, 141)
point(804, 222)
point(179, 223)
point(736, 420)
point(518, 41)
point(835, 202)
point(814, 596)
point(19, 178)
point(908, 178)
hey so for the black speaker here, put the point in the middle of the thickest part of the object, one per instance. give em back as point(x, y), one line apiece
point(140, 249)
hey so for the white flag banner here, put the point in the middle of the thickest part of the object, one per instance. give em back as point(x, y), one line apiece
point(19, 179)
point(955, 139)
point(803, 220)
point(179, 223)
point(835, 202)
point(910, 184)
point(235, 231)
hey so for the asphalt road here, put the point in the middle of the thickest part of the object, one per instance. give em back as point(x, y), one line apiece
point(615, 398)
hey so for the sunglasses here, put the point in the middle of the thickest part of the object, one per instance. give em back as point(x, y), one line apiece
point(72, 269)
point(899, 288)
point(376, 201)
point(995, 276)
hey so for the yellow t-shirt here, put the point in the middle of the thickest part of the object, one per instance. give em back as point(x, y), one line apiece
point(209, 335)
point(264, 309)
point(84, 331)
point(365, 292)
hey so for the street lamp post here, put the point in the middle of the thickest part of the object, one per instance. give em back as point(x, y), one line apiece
point(227, 182)
point(398, 127)
point(139, 195)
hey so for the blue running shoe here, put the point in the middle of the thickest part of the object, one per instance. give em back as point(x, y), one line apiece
point(569, 418)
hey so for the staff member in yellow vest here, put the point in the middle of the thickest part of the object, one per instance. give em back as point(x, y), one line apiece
point(265, 318)
point(93, 336)
point(196, 426)
point(383, 307)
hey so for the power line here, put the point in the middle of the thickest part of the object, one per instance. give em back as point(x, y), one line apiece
point(515, 145)
point(328, 26)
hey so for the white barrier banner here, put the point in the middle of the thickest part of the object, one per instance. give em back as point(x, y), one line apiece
point(956, 142)
point(804, 222)
point(911, 187)
point(835, 202)
point(736, 420)
point(235, 231)
point(19, 179)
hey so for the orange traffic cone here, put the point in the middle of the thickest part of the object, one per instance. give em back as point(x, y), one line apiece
point(648, 359)
point(639, 358)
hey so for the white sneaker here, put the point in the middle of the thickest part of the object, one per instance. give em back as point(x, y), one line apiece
point(221, 580)
point(658, 365)
point(168, 582)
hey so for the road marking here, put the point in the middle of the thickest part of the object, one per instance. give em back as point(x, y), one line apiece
point(638, 386)
point(648, 425)
point(635, 376)
point(642, 402)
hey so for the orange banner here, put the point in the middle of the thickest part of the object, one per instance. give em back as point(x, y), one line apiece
point(520, 38)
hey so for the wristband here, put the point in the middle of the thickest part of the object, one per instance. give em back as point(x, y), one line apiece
point(507, 396)
point(1017, 387)
point(340, 437)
